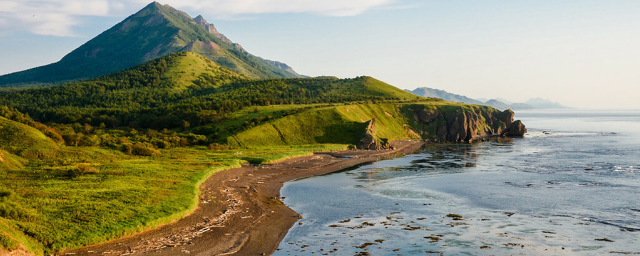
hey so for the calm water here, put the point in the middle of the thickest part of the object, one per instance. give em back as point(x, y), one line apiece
point(573, 179)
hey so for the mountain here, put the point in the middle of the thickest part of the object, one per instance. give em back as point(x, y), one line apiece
point(521, 106)
point(502, 105)
point(544, 104)
point(155, 31)
point(435, 93)
point(505, 101)
point(497, 104)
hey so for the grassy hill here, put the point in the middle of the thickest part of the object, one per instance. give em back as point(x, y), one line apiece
point(24, 141)
point(434, 120)
point(155, 31)
point(335, 124)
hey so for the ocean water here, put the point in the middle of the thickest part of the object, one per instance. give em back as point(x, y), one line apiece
point(570, 187)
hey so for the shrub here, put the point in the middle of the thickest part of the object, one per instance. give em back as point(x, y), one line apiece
point(13, 210)
point(216, 146)
point(127, 149)
point(89, 140)
point(6, 193)
point(87, 169)
point(143, 150)
point(82, 169)
point(163, 144)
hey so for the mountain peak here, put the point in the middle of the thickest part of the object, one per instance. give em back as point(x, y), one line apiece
point(154, 31)
point(154, 4)
point(200, 19)
point(153, 7)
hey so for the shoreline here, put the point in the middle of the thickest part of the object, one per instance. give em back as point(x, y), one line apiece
point(239, 210)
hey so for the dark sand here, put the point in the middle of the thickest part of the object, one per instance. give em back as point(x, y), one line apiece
point(240, 212)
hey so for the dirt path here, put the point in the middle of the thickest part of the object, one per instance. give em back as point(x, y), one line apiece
point(240, 212)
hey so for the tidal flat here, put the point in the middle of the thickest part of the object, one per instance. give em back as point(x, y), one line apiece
point(570, 187)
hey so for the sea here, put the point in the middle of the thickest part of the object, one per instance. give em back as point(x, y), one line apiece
point(571, 186)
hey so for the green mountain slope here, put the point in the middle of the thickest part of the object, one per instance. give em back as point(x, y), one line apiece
point(155, 31)
point(184, 87)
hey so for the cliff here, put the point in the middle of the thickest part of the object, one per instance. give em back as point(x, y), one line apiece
point(463, 123)
point(370, 140)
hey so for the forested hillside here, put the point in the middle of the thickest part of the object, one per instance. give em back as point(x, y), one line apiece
point(182, 92)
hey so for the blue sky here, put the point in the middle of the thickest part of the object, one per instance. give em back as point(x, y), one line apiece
point(574, 52)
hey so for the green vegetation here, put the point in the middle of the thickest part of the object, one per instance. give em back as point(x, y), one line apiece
point(25, 141)
point(343, 124)
point(89, 194)
point(182, 99)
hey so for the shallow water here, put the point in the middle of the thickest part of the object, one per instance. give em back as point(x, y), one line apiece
point(570, 187)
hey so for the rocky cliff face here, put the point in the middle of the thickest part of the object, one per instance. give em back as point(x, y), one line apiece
point(467, 123)
point(211, 28)
point(463, 124)
point(370, 141)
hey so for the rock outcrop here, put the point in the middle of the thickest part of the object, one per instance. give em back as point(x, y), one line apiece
point(517, 129)
point(370, 141)
point(464, 124)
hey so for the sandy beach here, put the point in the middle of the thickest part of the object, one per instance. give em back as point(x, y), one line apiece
point(240, 211)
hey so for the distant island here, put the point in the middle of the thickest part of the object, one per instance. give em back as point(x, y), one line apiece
point(145, 123)
point(498, 103)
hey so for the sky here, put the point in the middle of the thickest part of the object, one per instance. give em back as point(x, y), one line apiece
point(581, 53)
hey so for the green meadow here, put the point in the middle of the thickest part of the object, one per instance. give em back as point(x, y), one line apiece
point(92, 194)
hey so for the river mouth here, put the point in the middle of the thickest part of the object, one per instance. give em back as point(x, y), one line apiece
point(559, 191)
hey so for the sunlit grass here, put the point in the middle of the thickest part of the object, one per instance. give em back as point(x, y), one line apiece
point(120, 196)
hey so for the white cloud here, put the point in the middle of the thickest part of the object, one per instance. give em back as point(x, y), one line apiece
point(58, 17)
point(237, 7)
point(49, 17)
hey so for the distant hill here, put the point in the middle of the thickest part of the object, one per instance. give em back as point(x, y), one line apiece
point(155, 31)
point(498, 103)
point(521, 106)
point(435, 93)
point(544, 104)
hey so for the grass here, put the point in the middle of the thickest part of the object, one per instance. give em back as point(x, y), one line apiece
point(390, 121)
point(10, 161)
point(309, 127)
point(371, 84)
point(191, 67)
point(344, 124)
point(25, 141)
point(124, 194)
point(11, 238)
